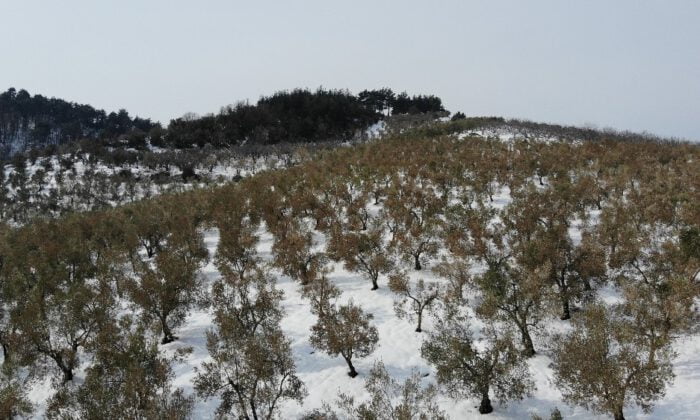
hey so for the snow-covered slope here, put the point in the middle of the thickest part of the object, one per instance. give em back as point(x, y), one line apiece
point(399, 347)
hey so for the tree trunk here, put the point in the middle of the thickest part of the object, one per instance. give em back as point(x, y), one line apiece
point(253, 409)
point(420, 320)
point(304, 273)
point(529, 350)
point(565, 309)
point(485, 407)
point(618, 415)
point(375, 285)
point(67, 374)
point(352, 373)
point(168, 336)
point(67, 370)
point(417, 265)
point(587, 285)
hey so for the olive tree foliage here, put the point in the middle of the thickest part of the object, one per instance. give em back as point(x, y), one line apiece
point(604, 364)
point(660, 288)
point(347, 198)
point(150, 225)
point(388, 399)
point(252, 369)
point(322, 295)
point(458, 274)
point(655, 264)
point(14, 402)
point(466, 368)
point(578, 270)
point(251, 375)
point(412, 212)
point(413, 300)
point(514, 295)
point(236, 254)
point(295, 251)
point(689, 241)
point(57, 295)
point(538, 223)
point(166, 256)
point(508, 289)
point(363, 251)
point(471, 240)
point(660, 313)
point(129, 378)
point(344, 330)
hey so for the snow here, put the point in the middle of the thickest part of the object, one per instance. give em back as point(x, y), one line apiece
point(376, 130)
point(507, 134)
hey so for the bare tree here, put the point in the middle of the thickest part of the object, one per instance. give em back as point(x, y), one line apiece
point(417, 298)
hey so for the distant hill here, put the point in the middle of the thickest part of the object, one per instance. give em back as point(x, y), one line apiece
point(296, 116)
point(28, 121)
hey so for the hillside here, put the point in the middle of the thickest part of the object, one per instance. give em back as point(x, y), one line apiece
point(28, 122)
point(529, 237)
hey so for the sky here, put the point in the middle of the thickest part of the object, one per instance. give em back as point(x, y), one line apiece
point(623, 64)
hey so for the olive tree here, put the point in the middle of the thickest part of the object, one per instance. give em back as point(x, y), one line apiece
point(514, 295)
point(413, 300)
point(604, 366)
point(363, 251)
point(129, 378)
point(165, 282)
point(413, 212)
point(13, 395)
point(294, 251)
point(251, 368)
point(467, 369)
point(56, 298)
point(389, 399)
point(345, 331)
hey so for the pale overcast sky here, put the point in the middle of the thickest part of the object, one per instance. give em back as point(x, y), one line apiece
point(632, 64)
